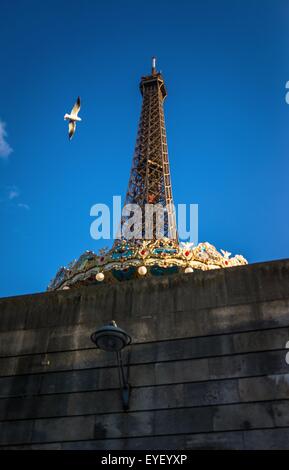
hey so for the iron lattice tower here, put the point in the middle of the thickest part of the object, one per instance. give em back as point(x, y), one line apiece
point(150, 181)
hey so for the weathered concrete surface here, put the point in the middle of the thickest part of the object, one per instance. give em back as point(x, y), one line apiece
point(207, 364)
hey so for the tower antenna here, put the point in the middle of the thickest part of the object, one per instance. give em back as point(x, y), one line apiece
point(154, 70)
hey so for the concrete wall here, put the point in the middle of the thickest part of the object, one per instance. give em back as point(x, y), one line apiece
point(207, 364)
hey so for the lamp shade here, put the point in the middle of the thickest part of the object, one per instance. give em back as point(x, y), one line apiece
point(110, 338)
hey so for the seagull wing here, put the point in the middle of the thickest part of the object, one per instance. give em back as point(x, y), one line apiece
point(71, 129)
point(76, 108)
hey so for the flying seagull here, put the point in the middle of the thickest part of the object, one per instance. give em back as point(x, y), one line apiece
point(72, 118)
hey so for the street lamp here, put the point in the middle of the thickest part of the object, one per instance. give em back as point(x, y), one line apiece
point(111, 338)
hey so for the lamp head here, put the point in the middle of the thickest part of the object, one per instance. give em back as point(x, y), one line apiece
point(110, 338)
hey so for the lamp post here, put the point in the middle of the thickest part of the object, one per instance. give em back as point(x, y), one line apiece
point(111, 338)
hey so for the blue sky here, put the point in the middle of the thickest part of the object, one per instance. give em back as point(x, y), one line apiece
point(225, 63)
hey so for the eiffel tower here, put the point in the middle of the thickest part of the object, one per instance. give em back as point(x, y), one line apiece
point(150, 181)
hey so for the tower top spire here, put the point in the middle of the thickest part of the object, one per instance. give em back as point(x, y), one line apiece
point(154, 61)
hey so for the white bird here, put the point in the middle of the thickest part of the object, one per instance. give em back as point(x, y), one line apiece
point(72, 118)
